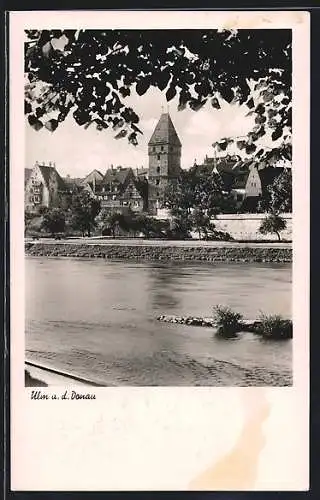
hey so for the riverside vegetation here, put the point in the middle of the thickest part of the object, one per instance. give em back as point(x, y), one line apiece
point(229, 323)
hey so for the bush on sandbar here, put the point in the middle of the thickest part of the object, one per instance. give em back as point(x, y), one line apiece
point(274, 327)
point(227, 322)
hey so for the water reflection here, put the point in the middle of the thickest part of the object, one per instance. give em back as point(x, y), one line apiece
point(162, 286)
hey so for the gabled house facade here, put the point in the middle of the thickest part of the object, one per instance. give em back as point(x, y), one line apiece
point(246, 180)
point(93, 182)
point(121, 190)
point(44, 188)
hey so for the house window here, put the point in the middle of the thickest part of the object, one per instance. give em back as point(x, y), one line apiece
point(157, 182)
point(161, 148)
point(158, 170)
point(153, 149)
point(158, 157)
point(158, 194)
point(36, 199)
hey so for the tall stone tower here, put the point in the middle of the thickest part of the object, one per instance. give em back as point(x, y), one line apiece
point(164, 151)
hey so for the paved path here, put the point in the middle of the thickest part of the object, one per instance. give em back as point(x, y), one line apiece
point(161, 243)
point(41, 376)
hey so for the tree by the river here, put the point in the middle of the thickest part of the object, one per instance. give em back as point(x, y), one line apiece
point(84, 212)
point(54, 221)
point(273, 223)
point(280, 193)
point(90, 73)
point(200, 190)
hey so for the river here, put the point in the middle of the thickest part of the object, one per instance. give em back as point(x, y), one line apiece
point(97, 320)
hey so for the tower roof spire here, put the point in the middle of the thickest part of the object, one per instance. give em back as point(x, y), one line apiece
point(165, 133)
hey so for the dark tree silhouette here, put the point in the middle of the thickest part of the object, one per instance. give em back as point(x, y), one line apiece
point(203, 191)
point(54, 221)
point(84, 212)
point(90, 73)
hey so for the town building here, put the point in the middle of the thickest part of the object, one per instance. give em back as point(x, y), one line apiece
point(121, 190)
point(44, 188)
point(143, 189)
point(164, 151)
point(93, 182)
point(246, 180)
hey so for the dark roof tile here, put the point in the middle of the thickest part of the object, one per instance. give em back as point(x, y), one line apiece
point(48, 173)
point(165, 133)
point(117, 175)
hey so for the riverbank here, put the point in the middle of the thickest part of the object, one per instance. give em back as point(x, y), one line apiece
point(157, 251)
point(36, 375)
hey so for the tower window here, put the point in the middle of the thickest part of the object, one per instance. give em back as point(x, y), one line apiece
point(158, 157)
point(158, 182)
point(161, 148)
point(158, 194)
point(153, 149)
point(158, 170)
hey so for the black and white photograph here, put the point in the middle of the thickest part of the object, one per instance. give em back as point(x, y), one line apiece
point(159, 250)
point(158, 207)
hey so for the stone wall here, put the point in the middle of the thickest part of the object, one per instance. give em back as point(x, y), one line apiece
point(246, 226)
point(190, 253)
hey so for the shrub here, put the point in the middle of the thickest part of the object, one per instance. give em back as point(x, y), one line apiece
point(274, 327)
point(227, 322)
point(54, 221)
point(215, 235)
point(273, 223)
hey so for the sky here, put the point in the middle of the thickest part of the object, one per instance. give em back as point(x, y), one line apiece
point(76, 151)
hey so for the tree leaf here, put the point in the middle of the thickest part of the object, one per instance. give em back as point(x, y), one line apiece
point(241, 144)
point(215, 103)
point(260, 109)
point(171, 92)
point(277, 133)
point(121, 134)
point(227, 93)
point(250, 148)
point(87, 125)
point(51, 125)
point(39, 112)
point(47, 49)
point(27, 107)
point(222, 146)
point(136, 129)
point(163, 79)
point(32, 119)
point(182, 106)
point(196, 104)
point(250, 103)
point(133, 138)
point(124, 91)
point(260, 119)
point(260, 152)
point(142, 86)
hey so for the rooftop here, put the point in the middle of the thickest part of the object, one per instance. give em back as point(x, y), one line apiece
point(165, 133)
